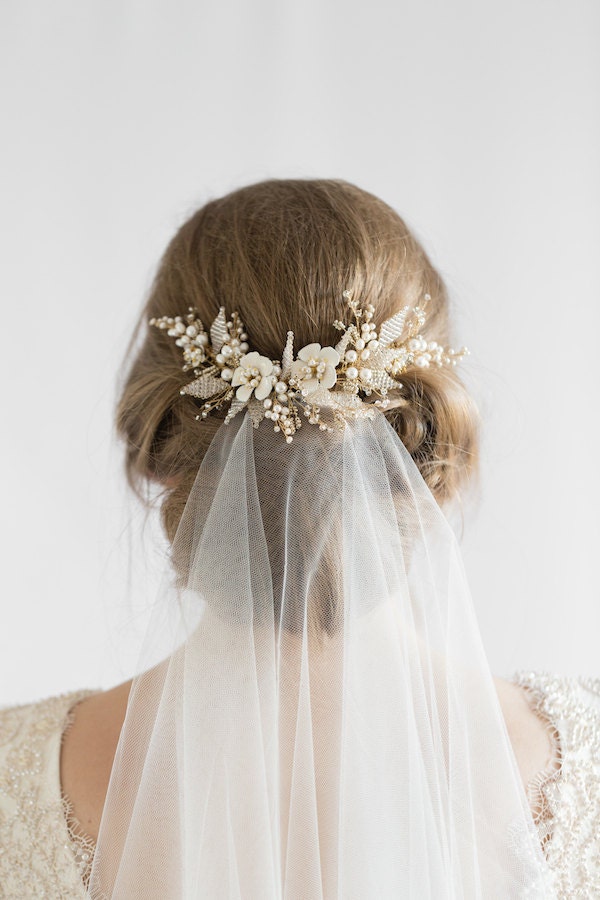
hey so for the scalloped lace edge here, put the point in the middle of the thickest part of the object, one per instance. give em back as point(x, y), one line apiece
point(83, 845)
point(537, 787)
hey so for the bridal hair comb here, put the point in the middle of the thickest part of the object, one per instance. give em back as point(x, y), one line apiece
point(363, 362)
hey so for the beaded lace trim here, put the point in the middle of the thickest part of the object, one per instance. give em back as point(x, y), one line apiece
point(83, 845)
point(538, 787)
point(565, 796)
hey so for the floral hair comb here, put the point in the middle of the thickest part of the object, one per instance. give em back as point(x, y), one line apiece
point(364, 361)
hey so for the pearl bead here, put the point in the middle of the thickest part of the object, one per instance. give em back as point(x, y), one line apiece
point(289, 439)
point(227, 374)
point(366, 374)
point(243, 336)
point(365, 354)
point(276, 428)
point(220, 358)
point(421, 362)
point(226, 350)
point(244, 347)
point(277, 408)
point(432, 345)
point(180, 327)
point(235, 342)
point(202, 339)
point(267, 403)
point(373, 345)
point(276, 369)
point(359, 344)
point(414, 344)
point(191, 331)
point(351, 355)
point(281, 387)
point(352, 373)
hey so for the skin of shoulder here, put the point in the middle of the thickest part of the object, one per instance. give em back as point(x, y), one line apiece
point(528, 733)
point(90, 744)
point(88, 751)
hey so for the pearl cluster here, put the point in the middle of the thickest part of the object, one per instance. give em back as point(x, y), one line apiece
point(427, 352)
point(364, 361)
point(363, 337)
point(280, 412)
point(190, 335)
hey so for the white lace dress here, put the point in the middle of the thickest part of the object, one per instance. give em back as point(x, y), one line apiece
point(43, 852)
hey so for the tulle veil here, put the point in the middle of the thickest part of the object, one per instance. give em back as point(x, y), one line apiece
point(313, 714)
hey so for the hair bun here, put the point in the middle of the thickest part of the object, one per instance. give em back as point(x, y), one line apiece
point(282, 253)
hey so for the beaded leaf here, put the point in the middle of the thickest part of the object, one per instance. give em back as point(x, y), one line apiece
point(218, 331)
point(393, 328)
point(205, 386)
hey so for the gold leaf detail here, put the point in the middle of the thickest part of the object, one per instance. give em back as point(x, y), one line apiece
point(236, 406)
point(256, 411)
point(288, 355)
point(205, 386)
point(218, 331)
point(393, 328)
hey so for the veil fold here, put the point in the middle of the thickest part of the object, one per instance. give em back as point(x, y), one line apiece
point(313, 714)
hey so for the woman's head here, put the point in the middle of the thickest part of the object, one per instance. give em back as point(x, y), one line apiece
point(281, 253)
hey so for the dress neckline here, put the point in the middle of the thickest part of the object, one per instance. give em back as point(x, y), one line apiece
point(82, 844)
point(539, 787)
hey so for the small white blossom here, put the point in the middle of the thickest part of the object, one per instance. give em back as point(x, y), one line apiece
point(315, 367)
point(254, 373)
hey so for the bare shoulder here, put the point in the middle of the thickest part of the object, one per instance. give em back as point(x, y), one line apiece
point(88, 751)
point(528, 732)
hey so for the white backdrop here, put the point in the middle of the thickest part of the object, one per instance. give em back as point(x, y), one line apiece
point(479, 122)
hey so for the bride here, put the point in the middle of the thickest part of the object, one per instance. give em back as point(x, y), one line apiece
point(312, 714)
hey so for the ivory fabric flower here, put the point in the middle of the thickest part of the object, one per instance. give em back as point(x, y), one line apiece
point(315, 367)
point(254, 373)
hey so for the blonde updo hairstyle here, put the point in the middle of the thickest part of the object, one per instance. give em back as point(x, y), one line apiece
point(281, 253)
